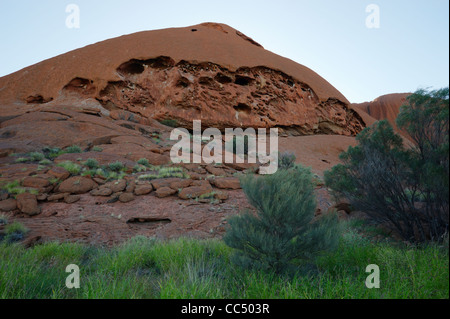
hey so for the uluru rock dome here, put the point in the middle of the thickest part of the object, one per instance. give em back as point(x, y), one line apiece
point(385, 107)
point(209, 71)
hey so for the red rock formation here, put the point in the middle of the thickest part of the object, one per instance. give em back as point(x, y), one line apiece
point(385, 107)
point(208, 71)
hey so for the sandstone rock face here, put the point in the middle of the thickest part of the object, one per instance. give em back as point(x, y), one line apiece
point(210, 72)
point(385, 107)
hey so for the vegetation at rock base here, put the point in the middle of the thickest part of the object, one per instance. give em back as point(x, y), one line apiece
point(403, 188)
point(190, 268)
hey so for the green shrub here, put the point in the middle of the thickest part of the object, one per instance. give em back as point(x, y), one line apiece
point(36, 156)
point(403, 188)
point(12, 187)
point(91, 163)
point(282, 233)
point(52, 152)
point(97, 149)
point(286, 160)
point(116, 166)
point(45, 162)
point(71, 167)
point(73, 149)
point(170, 122)
point(15, 232)
point(143, 161)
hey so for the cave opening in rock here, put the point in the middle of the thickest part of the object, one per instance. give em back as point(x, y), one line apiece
point(242, 107)
point(243, 80)
point(131, 67)
point(223, 79)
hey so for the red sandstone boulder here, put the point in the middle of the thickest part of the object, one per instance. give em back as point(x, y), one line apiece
point(27, 204)
point(77, 185)
point(226, 182)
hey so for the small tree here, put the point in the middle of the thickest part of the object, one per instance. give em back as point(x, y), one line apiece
point(403, 188)
point(283, 231)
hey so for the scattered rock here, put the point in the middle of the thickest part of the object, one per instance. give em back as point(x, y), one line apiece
point(215, 171)
point(165, 192)
point(126, 197)
point(226, 182)
point(35, 182)
point(116, 186)
point(59, 172)
point(56, 197)
point(101, 191)
point(181, 184)
point(70, 199)
point(77, 185)
point(163, 182)
point(221, 195)
point(194, 191)
point(27, 204)
point(8, 205)
point(143, 189)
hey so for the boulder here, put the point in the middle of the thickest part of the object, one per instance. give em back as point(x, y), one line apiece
point(35, 182)
point(116, 186)
point(59, 173)
point(194, 191)
point(165, 192)
point(126, 197)
point(101, 191)
point(27, 204)
point(226, 182)
point(8, 205)
point(70, 199)
point(143, 189)
point(77, 185)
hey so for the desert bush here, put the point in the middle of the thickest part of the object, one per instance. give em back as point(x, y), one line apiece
point(71, 167)
point(91, 163)
point(116, 166)
point(282, 233)
point(143, 161)
point(73, 149)
point(286, 160)
point(170, 122)
point(401, 187)
point(15, 231)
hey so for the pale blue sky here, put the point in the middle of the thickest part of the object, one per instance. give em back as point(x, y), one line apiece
point(408, 51)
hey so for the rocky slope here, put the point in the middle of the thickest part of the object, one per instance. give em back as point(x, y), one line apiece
point(84, 157)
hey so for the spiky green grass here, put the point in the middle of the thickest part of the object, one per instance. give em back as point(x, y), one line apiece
point(189, 268)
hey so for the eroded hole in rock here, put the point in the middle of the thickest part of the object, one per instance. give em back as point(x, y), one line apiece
point(206, 80)
point(80, 85)
point(243, 80)
point(37, 99)
point(148, 220)
point(222, 78)
point(194, 30)
point(183, 82)
point(162, 62)
point(244, 108)
point(8, 134)
point(131, 67)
